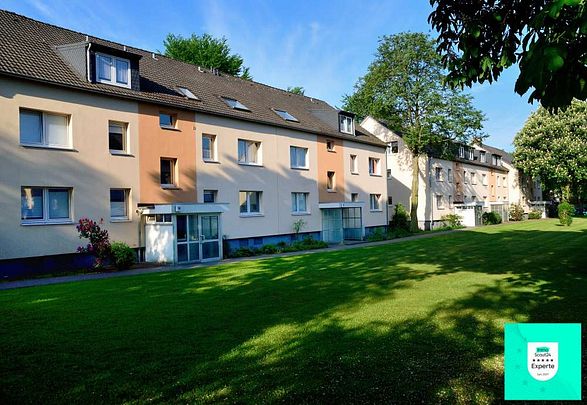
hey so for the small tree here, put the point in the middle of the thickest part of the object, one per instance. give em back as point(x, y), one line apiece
point(298, 226)
point(516, 212)
point(98, 240)
point(400, 219)
point(566, 211)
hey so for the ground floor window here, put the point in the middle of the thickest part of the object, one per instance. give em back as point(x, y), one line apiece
point(299, 203)
point(119, 198)
point(210, 196)
point(374, 202)
point(50, 205)
point(250, 202)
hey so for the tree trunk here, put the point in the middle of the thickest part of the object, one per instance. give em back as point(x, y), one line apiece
point(415, 186)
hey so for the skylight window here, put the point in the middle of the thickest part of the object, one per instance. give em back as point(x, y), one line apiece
point(232, 103)
point(285, 115)
point(186, 93)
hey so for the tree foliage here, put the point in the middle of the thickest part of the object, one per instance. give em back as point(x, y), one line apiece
point(547, 38)
point(296, 90)
point(404, 86)
point(554, 147)
point(206, 51)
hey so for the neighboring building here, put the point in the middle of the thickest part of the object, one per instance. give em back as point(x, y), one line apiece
point(174, 158)
point(477, 175)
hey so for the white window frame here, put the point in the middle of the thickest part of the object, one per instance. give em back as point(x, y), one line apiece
point(375, 203)
point(213, 148)
point(127, 216)
point(330, 146)
point(113, 80)
point(471, 154)
point(209, 191)
point(482, 156)
point(465, 177)
point(247, 161)
point(333, 188)
point(375, 169)
point(44, 141)
point(439, 201)
point(438, 174)
point(346, 124)
point(46, 220)
point(484, 179)
point(125, 141)
point(294, 150)
point(174, 182)
point(473, 178)
point(295, 199)
point(354, 162)
point(248, 212)
point(462, 152)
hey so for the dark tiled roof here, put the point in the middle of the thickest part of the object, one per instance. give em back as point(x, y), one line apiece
point(28, 50)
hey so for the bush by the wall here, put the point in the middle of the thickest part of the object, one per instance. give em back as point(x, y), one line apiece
point(566, 212)
point(451, 221)
point(491, 218)
point(268, 249)
point(377, 235)
point(516, 212)
point(534, 214)
point(98, 240)
point(401, 218)
point(123, 256)
point(244, 252)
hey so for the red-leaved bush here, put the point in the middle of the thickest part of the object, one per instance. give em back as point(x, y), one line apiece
point(98, 241)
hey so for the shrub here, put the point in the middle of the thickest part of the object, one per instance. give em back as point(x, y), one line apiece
point(281, 244)
point(451, 221)
point(401, 218)
point(298, 226)
point(98, 240)
point(398, 233)
point(566, 212)
point(534, 214)
point(309, 243)
point(244, 252)
point(516, 212)
point(491, 218)
point(123, 256)
point(268, 249)
point(377, 235)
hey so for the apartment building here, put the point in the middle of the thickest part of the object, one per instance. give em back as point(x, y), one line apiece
point(175, 160)
point(475, 176)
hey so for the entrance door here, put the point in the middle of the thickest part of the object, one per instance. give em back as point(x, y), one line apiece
point(197, 238)
point(332, 225)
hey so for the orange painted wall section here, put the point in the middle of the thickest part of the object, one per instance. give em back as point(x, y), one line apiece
point(156, 142)
point(331, 161)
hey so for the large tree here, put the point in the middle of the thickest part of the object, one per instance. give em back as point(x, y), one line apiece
point(296, 90)
point(547, 38)
point(404, 86)
point(206, 51)
point(554, 147)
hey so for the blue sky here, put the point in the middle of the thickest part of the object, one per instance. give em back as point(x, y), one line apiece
point(324, 46)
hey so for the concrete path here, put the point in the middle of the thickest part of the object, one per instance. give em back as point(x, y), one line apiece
point(9, 285)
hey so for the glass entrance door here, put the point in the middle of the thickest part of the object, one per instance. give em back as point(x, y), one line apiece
point(197, 238)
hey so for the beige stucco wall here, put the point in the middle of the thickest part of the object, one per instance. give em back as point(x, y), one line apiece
point(89, 169)
point(365, 184)
point(275, 178)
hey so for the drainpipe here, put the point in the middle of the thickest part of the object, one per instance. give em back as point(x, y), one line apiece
point(140, 225)
point(88, 62)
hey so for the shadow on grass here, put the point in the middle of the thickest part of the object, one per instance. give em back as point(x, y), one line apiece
point(419, 321)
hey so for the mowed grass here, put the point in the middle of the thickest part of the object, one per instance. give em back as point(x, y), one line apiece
point(416, 321)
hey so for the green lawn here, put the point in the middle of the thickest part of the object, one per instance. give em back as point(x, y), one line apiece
point(409, 322)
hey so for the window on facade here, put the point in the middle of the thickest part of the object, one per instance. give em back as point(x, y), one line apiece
point(498, 181)
point(504, 182)
point(438, 173)
point(354, 164)
point(461, 151)
point(389, 173)
point(44, 129)
point(392, 147)
point(112, 70)
point(390, 200)
point(119, 198)
point(465, 177)
point(45, 205)
point(299, 203)
point(250, 202)
point(167, 120)
point(249, 152)
point(330, 146)
point(210, 196)
point(471, 154)
point(375, 202)
point(117, 139)
point(496, 160)
point(449, 175)
point(330, 181)
point(298, 157)
point(474, 198)
point(233, 103)
point(473, 178)
point(450, 201)
point(209, 147)
point(168, 168)
point(484, 179)
point(159, 218)
point(374, 166)
point(346, 124)
point(285, 115)
point(439, 202)
point(482, 157)
point(354, 197)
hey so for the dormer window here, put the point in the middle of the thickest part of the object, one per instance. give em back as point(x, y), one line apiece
point(285, 115)
point(112, 70)
point(471, 154)
point(345, 124)
point(235, 104)
point(462, 152)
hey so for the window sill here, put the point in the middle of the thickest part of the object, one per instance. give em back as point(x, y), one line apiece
point(118, 220)
point(120, 153)
point(355, 173)
point(300, 214)
point(374, 175)
point(379, 210)
point(250, 215)
point(300, 168)
point(167, 128)
point(211, 161)
point(330, 150)
point(170, 187)
point(61, 148)
point(111, 83)
point(41, 223)
point(250, 164)
point(331, 191)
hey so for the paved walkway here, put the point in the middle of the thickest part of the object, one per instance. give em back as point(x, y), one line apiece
point(9, 285)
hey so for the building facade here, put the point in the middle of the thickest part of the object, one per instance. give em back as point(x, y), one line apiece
point(177, 161)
